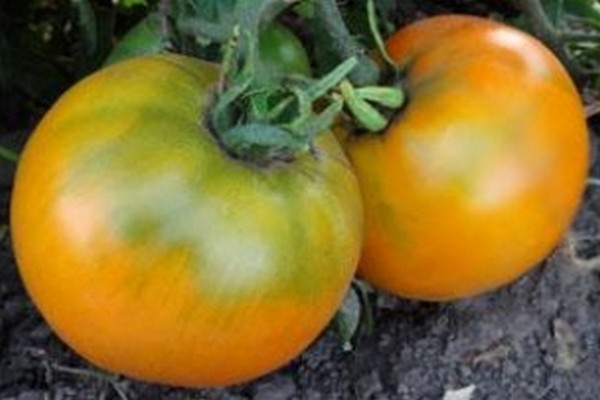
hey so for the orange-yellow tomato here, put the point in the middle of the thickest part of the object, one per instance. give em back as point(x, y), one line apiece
point(155, 254)
point(477, 178)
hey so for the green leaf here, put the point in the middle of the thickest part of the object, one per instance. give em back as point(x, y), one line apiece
point(131, 3)
point(8, 154)
point(554, 10)
point(96, 29)
point(364, 290)
point(347, 318)
point(144, 38)
point(87, 25)
point(589, 9)
point(211, 10)
point(585, 9)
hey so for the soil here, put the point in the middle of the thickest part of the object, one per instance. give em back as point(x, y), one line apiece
point(537, 339)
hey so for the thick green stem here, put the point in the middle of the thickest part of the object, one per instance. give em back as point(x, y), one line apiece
point(241, 58)
point(372, 16)
point(331, 22)
point(248, 14)
point(165, 8)
point(217, 32)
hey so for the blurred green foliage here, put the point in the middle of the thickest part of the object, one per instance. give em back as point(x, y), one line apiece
point(131, 3)
point(578, 22)
point(47, 45)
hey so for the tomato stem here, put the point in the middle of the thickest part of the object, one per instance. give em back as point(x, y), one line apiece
point(372, 17)
point(217, 32)
point(359, 92)
point(281, 130)
point(260, 120)
point(165, 8)
point(330, 23)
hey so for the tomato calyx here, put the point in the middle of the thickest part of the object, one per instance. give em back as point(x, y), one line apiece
point(365, 104)
point(373, 107)
point(262, 119)
point(261, 122)
point(329, 19)
point(370, 98)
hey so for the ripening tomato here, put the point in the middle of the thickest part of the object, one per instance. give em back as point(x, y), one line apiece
point(477, 178)
point(155, 254)
point(281, 53)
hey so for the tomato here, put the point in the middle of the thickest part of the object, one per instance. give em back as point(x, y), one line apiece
point(477, 178)
point(281, 53)
point(155, 254)
point(143, 38)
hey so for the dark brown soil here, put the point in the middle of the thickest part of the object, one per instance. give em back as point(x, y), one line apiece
point(536, 339)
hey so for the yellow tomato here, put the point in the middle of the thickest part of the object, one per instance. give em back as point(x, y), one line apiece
point(476, 179)
point(154, 253)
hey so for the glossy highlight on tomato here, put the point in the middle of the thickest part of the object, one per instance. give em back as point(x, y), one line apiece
point(477, 178)
point(155, 254)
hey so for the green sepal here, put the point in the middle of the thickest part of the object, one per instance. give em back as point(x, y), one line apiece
point(262, 143)
point(323, 85)
point(386, 96)
point(313, 125)
point(223, 112)
point(366, 115)
point(347, 318)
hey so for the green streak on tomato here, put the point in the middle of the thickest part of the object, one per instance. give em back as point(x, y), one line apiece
point(154, 253)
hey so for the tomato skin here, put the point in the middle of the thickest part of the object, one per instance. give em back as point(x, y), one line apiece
point(476, 180)
point(154, 254)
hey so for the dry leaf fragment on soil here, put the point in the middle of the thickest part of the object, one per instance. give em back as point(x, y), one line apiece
point(465, 393)
point(568, 348)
